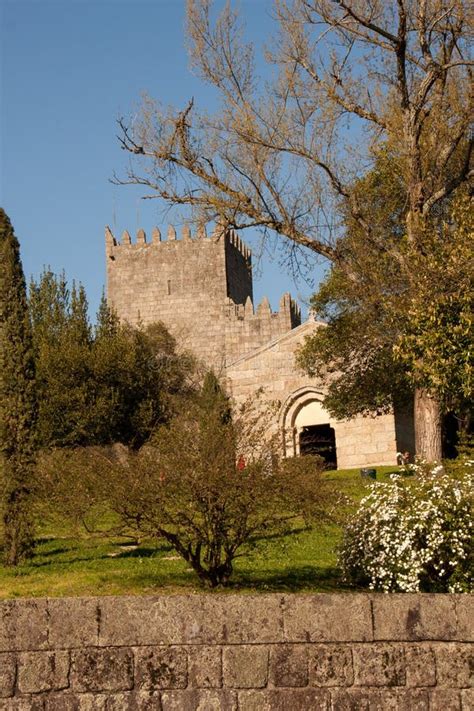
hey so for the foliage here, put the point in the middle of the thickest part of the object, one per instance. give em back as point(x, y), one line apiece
point(103, 384)
point(377, 351)
point(17, 401)
point(411, 535)
point(71, 561)
point(73, 493)
point(435, 346)
point(353, 350)
point(207, 484)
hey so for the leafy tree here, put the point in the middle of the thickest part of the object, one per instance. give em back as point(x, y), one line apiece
point(62, 339)
point(378, 352)
point(435, 346)
point(278, 155)
point(103, 384)
point(17, 400)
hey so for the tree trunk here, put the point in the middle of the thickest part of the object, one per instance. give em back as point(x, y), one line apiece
point(427, 426)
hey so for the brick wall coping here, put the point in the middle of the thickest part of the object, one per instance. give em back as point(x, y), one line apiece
point(47, 623)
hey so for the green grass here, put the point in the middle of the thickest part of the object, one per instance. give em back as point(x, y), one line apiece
point(302, 561)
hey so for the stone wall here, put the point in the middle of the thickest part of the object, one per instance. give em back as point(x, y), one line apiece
point(181, 282)
point(238, 653)
point(360, 441)
point(200, 287)
point(247, 329)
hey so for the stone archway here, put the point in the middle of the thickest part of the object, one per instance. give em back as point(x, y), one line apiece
point(301, 410)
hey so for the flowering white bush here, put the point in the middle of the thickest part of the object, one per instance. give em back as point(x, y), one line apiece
point(420, 467)
point(413, 534)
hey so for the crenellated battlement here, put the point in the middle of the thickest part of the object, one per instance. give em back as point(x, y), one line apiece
point(199, 285)
point(288, 309)
point(218, 236)
point(247, 328)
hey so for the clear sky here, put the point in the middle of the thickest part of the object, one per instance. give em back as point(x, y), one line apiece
point(69, 68)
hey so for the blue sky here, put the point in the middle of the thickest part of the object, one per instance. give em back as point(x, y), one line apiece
point(69, 68)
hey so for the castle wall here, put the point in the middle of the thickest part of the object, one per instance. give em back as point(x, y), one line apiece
point(185, 283)
point(360, 441)
point(200, 288)
point(248, 329)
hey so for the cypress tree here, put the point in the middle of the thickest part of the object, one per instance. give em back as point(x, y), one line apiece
point(17, 400)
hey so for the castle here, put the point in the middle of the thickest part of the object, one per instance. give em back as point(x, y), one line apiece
point(201, 288)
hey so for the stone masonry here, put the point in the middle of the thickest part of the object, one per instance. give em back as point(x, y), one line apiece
point(201, 288)
point(238, 653)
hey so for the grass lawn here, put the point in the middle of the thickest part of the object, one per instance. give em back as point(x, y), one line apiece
point(303, 561)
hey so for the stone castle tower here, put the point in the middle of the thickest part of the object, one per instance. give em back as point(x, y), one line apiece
point(200, 287)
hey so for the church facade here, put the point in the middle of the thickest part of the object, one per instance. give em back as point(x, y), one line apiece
point(201, 288)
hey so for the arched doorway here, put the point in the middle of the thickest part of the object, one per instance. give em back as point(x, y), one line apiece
point(320, 440)
point(307, 427)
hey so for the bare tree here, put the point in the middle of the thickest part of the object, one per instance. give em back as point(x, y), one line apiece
point(280, 156)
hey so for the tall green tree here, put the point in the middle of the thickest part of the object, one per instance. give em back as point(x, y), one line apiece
point(382, 351)
point(17, 400)
point(62, 340)
point(101, 384)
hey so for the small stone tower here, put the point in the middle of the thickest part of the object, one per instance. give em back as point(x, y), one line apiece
point(200, 288)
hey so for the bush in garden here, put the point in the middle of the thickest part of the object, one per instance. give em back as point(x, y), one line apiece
point(413, 535)
point(208, 483)
point(211, 481)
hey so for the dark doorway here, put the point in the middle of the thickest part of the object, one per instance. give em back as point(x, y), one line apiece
point(450, 434)
point(320, 439)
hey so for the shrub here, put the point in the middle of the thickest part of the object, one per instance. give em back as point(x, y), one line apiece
point(412, 535)
point(211, 481)
point(208, 483)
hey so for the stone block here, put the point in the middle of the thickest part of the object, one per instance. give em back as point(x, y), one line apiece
point(43, 671)
point(464, 605)
point(330, 665)
point(245, 666)
point(400, 700)
point(23, 625)
point(146, 620)
point(73, 622)
point(467, 699)
point(204, 667)
point(27, 703)
point(134, 701)
point(7, 675)
point(161, 668)
point(285, 700)
point(76, 702)
point(420, 666)
point(445, 700)
point(378, 665)
point(414, 617)
point(328, 618)
point(289, 665)
point(199, 700)
point(102, 670)
point(353, 700)
point(264, 624)
point(455, 665)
